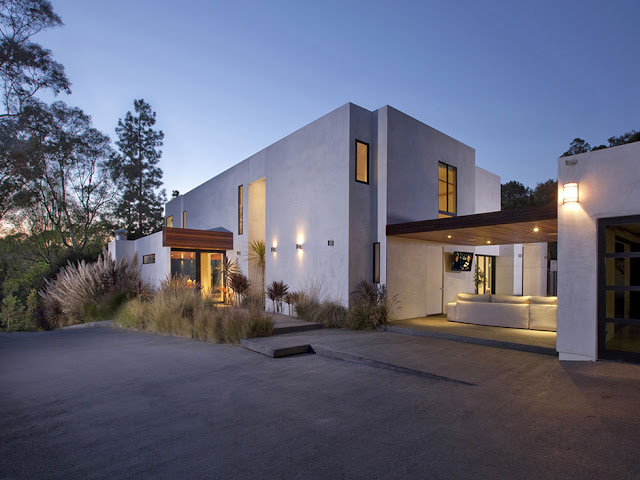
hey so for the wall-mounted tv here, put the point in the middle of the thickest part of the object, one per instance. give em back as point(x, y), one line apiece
point(462, 261)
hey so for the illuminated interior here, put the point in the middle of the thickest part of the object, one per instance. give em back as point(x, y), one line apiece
point(362, 162)
point(201, 268)
point(447, 190)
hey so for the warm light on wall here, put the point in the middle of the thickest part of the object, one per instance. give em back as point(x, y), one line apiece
point(570, 192)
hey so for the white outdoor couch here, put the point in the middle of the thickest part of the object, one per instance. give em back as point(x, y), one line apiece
point(532, 312)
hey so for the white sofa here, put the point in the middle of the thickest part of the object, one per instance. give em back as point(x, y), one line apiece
point(532, 312)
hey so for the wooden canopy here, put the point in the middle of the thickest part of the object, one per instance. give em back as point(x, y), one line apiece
point(196, 239)
point(527, 225)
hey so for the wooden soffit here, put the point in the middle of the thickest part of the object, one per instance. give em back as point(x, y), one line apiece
point(196, 239)
point(493, 228)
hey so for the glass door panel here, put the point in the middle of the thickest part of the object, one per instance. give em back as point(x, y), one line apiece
point(211, 275)
point(184, 264)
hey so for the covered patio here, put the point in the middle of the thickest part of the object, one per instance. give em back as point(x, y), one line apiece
point(535, 225)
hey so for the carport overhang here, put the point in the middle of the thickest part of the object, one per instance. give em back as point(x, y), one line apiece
point(526, 225)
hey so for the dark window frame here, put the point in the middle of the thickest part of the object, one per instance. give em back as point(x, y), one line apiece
point(455, 191)
point(149, 258)
point(376, 262)
point(603, 352)
point(356, 163)
point(240, 209)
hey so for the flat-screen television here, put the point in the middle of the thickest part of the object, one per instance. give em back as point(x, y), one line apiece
point(462, 261)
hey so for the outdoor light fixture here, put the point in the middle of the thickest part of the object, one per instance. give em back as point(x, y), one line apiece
point(298, 246)
point(448, 236)
point(570, 192)
point(488, 241)
point(238, 252)
point(273, 249)
point(536, 229)
point(330, 243)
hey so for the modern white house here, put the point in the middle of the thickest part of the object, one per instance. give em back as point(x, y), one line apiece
point(380, 196)
point(321, 199)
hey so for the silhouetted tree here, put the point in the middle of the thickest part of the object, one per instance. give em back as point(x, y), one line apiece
point(140, 205)
point(25, 66)
point(514, 195)
point(577, 146)
point(545, 193)
point(628, 137)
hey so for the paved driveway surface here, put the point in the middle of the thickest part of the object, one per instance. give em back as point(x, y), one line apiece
point(107, 403)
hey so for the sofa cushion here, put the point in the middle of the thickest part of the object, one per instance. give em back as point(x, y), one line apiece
point(510, 315)
point(472, 297)
point(510, 299)
point(543, 317)
point(544, 300)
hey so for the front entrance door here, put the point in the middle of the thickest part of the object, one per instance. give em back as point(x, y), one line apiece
point(434, 280)
point(619, 288)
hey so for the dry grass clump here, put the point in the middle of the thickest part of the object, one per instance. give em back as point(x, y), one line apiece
point(181, 310)
point(85, 292)
point(370, 307)
point(331, 314)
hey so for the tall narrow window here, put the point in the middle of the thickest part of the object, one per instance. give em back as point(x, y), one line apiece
point(362, 162)
point(170, 221)
point(376, 262)
point(240, 216)
point(447, 190)
point(184, 219)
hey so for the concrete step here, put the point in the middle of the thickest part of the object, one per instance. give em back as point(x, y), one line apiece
point(276, 349)
point(293, 326)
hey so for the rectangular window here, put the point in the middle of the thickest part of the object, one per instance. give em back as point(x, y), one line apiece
point(184, 219)
point(362, 162)
point(376, 262)
point(240, 210)
point(151, 258)
point(170, 221)
point(447, 190)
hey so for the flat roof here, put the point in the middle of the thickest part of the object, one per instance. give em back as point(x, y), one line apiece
point(505, 227)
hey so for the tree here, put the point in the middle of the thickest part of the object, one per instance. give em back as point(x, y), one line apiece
point(545, 193)
point(26, 67)
point(577, 146)
point(514, 195)
point(67, 173)
point(140, 206)
point(628, 137)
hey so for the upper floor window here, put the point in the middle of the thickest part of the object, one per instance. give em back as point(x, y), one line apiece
point(240, 215)
point(362, 162)
point(447, 190)
point(170, 221)
point(184, 219)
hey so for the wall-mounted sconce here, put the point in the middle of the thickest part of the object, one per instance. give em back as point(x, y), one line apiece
point(570, 192)
point(298, 246)
point(273, 249)
point(238, 253)
point(330, 243)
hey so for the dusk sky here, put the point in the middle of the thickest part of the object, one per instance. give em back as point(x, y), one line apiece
point(517, 81)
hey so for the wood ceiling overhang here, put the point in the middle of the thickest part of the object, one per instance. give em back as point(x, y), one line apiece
point(196, 239)
point(494, 228)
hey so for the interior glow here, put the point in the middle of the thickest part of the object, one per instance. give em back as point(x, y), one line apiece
point(570, 192)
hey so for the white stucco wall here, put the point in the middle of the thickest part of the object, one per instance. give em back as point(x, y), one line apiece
point(534, 269)
point(487, 191)
point(608, 187)
point(508, 270)
point(152, 273)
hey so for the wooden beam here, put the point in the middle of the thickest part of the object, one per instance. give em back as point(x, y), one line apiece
point(196, 239)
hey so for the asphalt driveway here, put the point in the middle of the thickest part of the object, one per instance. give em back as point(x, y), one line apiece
point(108, 403)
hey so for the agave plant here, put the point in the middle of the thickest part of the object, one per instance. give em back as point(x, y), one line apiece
point(276, 292)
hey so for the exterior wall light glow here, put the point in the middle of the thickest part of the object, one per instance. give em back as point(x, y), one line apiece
point(570, 193)
point(298, 246)
point(273, 249)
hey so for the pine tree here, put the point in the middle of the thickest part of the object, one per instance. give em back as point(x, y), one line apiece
point(140, 206)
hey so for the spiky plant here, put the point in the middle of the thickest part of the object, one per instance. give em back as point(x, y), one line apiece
point(229, 269)
point(258, 261)
point(276, 292)
point(239, 284)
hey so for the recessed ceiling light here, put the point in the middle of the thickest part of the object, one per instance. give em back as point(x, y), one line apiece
point(448, 236)
point(488, 241)
point(536, 229)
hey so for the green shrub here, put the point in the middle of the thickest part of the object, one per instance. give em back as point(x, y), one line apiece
point(11, 313)
point(331, 314)
point(133, 314)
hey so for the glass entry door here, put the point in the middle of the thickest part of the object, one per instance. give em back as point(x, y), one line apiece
point(211, 275)
point(486, 282)
point(619, 288)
